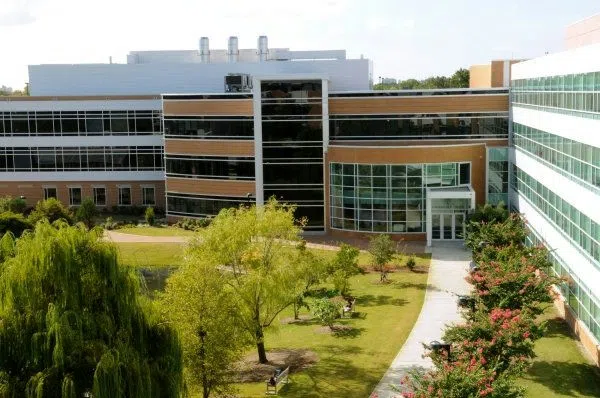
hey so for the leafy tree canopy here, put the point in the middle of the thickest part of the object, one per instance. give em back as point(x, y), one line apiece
point(460, 79)
point(73, 321)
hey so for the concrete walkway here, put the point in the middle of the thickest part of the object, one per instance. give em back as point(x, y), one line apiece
point(449, 266)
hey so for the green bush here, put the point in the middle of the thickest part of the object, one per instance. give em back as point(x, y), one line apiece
point(15, 205)
point(110, 224)
point(192, 224)
point(14, 223)
point(411, 263)
point(327, 310)
point(51, 209)
point(87, 212)
point(149, 216)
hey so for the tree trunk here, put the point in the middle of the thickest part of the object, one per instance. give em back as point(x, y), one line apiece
point(260, 346)
point(296, 310)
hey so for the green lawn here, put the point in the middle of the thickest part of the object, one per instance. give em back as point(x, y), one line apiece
point(156, 231)
point(351, 365)
point(561, 370)
point(147, 255)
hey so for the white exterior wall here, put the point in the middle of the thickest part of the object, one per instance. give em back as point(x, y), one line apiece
point(160, 78)
point(580, 60)
point(7, 105)
point(581, 129)
point(575, 128)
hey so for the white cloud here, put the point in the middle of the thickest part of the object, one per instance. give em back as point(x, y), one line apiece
point(16, 12)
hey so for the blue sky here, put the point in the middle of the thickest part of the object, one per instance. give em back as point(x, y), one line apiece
point(404, 38)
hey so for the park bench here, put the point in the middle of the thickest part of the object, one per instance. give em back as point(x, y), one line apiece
point(348, 309)
point(274, 384)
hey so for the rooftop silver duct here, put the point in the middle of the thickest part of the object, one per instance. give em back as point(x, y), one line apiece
point(232, 50)
point(204, 50)
point(263, 48)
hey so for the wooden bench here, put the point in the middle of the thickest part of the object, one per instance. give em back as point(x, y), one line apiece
point(282, 378)
point(349, 309)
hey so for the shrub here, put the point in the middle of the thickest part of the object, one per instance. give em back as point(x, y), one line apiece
point(14, 223)
point(149, 216)
point(15, 205)
point(411, 263)
point(192, 224)
point(87, 212)
point(327, 310)
point(51, 209)
point(110, 224)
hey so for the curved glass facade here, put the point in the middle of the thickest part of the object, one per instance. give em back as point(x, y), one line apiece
point(388, 198)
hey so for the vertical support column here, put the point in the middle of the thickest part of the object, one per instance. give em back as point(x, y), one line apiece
point(258, 150)
point(428, 216)
point(325, 121)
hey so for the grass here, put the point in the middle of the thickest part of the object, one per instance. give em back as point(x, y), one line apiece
point(148, 255)
point(156, 231)
point(560, 369)
point(351, 365)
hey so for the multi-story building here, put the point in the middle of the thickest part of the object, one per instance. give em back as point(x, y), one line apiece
point(247, 125)
point(555, 172)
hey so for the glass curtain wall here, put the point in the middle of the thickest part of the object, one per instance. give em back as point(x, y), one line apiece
point(292, 136)
point(388, 198)
point(497, 177)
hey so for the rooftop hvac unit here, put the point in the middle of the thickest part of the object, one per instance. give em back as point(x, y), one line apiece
point(238, 83)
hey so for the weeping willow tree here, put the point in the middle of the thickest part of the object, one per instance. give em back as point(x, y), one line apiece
point(72, 321)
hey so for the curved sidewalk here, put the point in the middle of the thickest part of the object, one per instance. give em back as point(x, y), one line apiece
point(449, 267)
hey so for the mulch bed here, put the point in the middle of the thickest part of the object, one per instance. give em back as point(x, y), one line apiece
point(249, 370)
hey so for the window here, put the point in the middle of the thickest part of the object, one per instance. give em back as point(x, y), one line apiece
point(148, 196)
point(74, 196)
point(49, 192)
point(124, 196)
point(100, 196)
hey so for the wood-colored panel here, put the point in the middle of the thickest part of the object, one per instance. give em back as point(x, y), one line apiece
point(210, 147)
point(476, 154)
point(210, 187)
point(215, 107)
point(411, 105)
point(33, 191)
point(497, 78)
point(491, 142)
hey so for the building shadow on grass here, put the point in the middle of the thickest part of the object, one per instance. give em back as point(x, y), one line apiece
point(370, 300)
point(566, 378)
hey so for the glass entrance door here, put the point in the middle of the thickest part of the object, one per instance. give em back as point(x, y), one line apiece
point(447, 226)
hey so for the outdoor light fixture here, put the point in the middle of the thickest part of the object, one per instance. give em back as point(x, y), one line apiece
point(436, 346)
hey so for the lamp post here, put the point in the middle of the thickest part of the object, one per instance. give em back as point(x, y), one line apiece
point(249, 198)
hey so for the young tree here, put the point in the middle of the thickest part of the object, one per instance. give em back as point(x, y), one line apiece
point(382, 249)
point(309, 270)
point(250, 244)
point(87, 212)
point(343, 266)
point(327, 311)
point(51, 209)
point(205, 314)
point(149, 215)
point(72, 320)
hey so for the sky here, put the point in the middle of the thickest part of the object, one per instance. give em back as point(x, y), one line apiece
point(404, 38)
